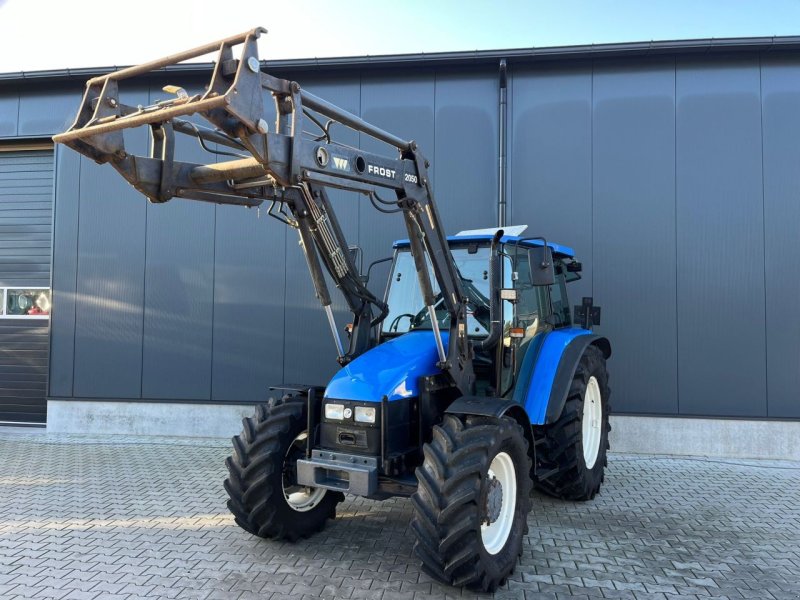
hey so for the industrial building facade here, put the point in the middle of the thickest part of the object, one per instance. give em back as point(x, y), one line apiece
point(673, 169)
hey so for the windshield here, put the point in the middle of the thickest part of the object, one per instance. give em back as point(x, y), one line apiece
point(407, 311)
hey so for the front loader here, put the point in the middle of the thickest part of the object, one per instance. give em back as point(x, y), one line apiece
point(469, 383)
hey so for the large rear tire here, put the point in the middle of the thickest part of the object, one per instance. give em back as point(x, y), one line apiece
point(472, 501)
point(571, 453)
point(262, 491)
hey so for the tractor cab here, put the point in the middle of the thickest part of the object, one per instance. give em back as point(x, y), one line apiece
point(526, 306)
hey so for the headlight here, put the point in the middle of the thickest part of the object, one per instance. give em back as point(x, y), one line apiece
point(334, 411)
point(365, 414)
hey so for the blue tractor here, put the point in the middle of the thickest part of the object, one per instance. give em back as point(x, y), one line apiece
point(470, 382)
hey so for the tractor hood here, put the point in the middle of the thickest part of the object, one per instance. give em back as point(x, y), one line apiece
point(392, 369)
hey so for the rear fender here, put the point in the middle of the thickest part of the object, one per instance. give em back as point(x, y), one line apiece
point(548, 368)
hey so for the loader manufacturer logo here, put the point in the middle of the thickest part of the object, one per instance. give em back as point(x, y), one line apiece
point(381, 171)
point(340, 163)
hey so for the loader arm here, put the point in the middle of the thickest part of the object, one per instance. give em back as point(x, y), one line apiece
point(285, 167)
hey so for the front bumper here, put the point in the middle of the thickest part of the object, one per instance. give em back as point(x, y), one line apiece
point(347, 473)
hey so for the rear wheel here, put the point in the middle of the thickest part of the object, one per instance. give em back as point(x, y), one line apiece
point(262, 485)
point(472, 501)
point(571, 454)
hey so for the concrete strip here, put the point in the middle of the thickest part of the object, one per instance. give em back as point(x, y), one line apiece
point(145, 418)
point(632, 435)
point(736, 438)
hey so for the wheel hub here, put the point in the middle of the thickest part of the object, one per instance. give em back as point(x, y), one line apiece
point(299, 498)
point(494, 500)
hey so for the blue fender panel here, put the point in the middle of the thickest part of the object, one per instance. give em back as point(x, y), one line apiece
point(391, 369)
point(537, 374)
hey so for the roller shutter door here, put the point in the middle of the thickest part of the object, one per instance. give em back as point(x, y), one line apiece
point(26, 209)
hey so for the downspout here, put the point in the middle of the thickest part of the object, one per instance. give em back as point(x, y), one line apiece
point(501, 158)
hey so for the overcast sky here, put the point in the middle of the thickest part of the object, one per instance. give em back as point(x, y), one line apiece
point(46, 34)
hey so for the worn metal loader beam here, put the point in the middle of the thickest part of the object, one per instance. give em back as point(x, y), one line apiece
point(288, 167)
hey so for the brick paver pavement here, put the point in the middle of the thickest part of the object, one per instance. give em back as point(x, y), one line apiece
point(125, 517)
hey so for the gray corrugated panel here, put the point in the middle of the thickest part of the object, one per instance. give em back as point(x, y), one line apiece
point(178, 300)
point(465, 153)
point(249, 272)
point(634, 259)
point(179, 290)
point(26, 200)
point(110, 288)
point(248, 304)
point(550, 123)
point(23, 370)
point(780, 80)
point(310, 353)
point(721, 346)
point(65, 264)
point(404, 105)
point(9, 113)
point(48, 110)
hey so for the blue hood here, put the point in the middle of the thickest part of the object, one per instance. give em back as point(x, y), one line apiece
point(392, 369)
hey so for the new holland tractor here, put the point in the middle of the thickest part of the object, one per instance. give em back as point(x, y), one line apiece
point(467, 385)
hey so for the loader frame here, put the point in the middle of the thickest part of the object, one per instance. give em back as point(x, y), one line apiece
point(287, 168)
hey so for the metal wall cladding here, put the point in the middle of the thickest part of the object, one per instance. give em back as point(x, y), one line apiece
point(650, 168)
point(633, 230)
point(720, 239)
point(111, 258)
point(39, 111)
point(179, 290)
point(550, 159)
point(9, 113)
point(23, 370)
point(64, 272)
point(26, 206)
point(780, 89)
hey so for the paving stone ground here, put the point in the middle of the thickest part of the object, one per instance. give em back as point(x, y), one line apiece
point(114, 518)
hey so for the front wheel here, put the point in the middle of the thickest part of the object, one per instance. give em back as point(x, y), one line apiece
point(263, 494)
point(472, 501)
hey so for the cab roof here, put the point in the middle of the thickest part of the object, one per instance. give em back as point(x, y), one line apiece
point(559, 250)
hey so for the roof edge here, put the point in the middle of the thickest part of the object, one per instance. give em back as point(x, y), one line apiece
point(516, 55)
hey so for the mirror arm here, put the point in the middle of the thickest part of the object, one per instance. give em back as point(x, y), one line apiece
point(372, 264)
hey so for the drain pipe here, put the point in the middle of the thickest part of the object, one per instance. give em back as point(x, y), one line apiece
point(501, 159)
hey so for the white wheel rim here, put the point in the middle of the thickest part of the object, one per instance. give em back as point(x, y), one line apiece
point(495, 534)
point(301, 498)
point(592, 422)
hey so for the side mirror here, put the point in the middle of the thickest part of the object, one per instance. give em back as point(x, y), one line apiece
point(541, 263)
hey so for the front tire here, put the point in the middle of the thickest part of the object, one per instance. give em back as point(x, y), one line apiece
point(472, 501)
point(571, 453)
point(263, 495)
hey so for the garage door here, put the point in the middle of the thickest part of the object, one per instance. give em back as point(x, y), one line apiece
point(26, 208)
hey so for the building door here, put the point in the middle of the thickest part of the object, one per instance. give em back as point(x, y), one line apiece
point(26, 221)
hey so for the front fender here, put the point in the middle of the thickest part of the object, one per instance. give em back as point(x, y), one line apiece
point(547, 370)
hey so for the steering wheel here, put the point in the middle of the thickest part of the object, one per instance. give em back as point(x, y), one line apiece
point(421, 315)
